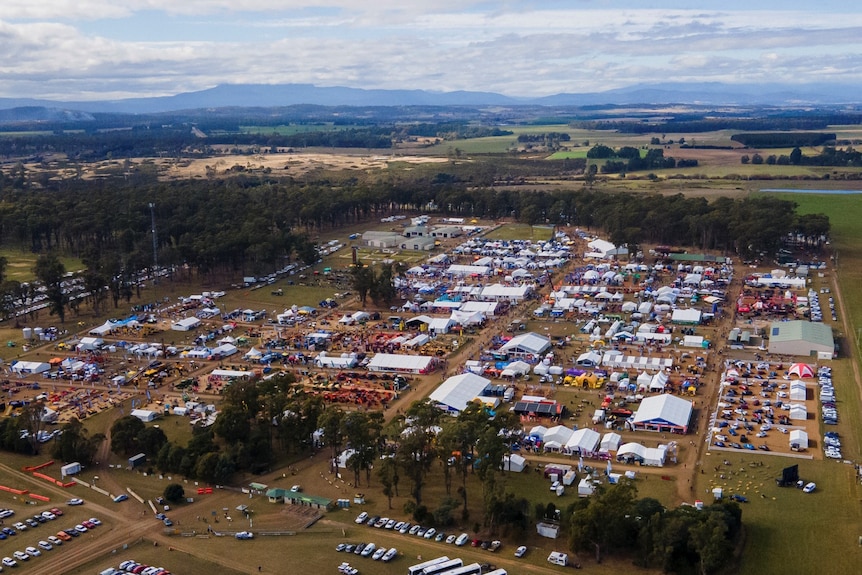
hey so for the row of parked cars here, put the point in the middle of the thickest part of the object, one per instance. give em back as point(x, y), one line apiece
point(47, 544)
point(369, 550)
point(406, 528)
point(130, 566)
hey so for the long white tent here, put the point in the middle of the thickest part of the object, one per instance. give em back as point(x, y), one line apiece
point(408, 363)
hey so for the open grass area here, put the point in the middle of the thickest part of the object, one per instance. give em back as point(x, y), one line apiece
point(19, 266)
point(788, 531)
point(176, 561)
point(521, 232)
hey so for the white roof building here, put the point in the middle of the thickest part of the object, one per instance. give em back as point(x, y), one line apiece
point(526, 344)
point(583, 441)
point(456, 392)
point(663, 412)
point(417, 364)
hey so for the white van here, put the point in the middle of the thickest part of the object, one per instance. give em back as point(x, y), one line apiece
point(558, 558)
point(462, 539)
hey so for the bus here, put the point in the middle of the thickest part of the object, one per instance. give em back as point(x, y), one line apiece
point(497, 572)
point(418, 569)
point(472, 569)
point(442, 567)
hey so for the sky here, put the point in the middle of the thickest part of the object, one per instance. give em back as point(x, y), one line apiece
point(78, 50)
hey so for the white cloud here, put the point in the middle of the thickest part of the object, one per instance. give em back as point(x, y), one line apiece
point(91, 48)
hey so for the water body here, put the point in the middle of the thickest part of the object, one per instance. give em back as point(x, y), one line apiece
point(810, 191)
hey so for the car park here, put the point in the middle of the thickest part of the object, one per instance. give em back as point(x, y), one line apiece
point(45, 545)
point(521, 551)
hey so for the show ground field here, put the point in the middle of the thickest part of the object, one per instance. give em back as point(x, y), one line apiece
point(774, 518)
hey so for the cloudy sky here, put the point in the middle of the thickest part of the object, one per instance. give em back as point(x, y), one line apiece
point(108, 49)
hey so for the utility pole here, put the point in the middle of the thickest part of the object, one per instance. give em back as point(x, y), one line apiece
point(155, 256)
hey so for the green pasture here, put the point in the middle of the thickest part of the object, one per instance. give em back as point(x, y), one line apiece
point(788, 531)
point(19, 266)
point(521, 232)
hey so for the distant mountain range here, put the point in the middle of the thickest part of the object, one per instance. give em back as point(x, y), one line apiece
point(265, 95)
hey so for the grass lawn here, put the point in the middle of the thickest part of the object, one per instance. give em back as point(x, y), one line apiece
point(521, 232)
point(19, 266)
point(143, 552)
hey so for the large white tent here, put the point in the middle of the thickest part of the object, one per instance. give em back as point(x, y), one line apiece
point(186, 324)
point(663, 412)
point(103, 329)
point(514, 463)
point(559, 434)
point(610, 442)
point(24, 367)
point(526, 344)
point(408, 363)
point(456, 392)
point(798, 439)
point(584, 442)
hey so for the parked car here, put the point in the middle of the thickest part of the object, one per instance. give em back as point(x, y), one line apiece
point(378, 555)
point(809, 487)
point(32, 551)
point(245, 535)
point(120, 497)
point(9, 562)
point(462, 540)
point(361, 518)
point(75, 501)
point(390, 555)
point(521, 551)
point(21, 556)
point(45, 545)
